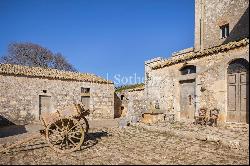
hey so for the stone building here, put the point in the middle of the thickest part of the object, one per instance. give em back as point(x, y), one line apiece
point(27, 92)
point(212, 74)
point(130, 101)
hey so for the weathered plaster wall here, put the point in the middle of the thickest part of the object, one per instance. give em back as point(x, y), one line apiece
point(19, 97)
point(162, 85)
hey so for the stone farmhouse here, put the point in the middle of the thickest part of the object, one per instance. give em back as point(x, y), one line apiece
point(214, 74)
point(27, 92)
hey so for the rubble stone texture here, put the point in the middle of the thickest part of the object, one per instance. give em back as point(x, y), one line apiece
point(211, 72)
point(21, 87)
point(211, 14)
point(132, 106)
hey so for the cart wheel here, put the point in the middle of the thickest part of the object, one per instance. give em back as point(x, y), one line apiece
point(84, 124)
point(65, 135)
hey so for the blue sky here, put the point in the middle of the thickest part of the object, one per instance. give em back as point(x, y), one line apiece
point(101, 36)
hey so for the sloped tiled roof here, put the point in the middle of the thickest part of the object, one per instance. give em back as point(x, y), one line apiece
point(131, 88)
point(50, 73)
point(139, 88)
point(206, 52)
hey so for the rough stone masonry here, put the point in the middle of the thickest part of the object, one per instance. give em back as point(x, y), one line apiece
point(214, 74)
point(26, 92)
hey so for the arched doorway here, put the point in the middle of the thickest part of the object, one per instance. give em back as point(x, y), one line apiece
point(238, 91)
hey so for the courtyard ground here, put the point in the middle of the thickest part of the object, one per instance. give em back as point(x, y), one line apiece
point(142, 144)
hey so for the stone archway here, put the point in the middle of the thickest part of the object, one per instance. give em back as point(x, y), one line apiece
point(238, 91)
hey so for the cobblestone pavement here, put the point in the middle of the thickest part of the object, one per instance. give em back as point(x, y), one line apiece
point(130, 145)
point(232, 135)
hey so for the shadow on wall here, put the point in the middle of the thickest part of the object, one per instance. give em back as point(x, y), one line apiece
point(241, 29)
point(8, 128)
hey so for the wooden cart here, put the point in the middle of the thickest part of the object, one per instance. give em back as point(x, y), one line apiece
point(64, 130)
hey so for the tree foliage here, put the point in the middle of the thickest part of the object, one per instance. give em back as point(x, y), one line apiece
point(34, 55)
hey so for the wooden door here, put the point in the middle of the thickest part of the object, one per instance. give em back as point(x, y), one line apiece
point(187, 101)
point(238, 93)
point(86, 102)
point(244, 97)
point(44, 105)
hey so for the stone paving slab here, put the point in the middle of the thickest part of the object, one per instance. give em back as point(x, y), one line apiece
point(231, 135)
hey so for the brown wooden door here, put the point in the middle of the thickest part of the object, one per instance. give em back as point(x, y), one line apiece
point(44, 105)
point(238, 98)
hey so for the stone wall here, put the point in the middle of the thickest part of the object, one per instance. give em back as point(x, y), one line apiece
point(215, 13)
point(211, 56)
point(132, 103)
point(163, 84)
point(19, 96)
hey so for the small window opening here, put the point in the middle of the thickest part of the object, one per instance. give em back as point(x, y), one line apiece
point(224, 31)
point(122, 97)
point(44, 91)
point(85, 90)
point(188, 70)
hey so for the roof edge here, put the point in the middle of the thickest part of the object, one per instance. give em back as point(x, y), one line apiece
point(51, 73)
point(206, 52)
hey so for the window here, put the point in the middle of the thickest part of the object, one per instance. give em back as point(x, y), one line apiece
point(85, 90)
point(122, 97)
point(224, 31)
point(188, 70)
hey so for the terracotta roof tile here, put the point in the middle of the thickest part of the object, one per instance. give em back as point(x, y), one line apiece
point(207, 52)
point(50, 73)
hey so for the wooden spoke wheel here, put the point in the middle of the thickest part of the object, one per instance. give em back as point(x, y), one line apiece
point(84, 124)
point(65, 135)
